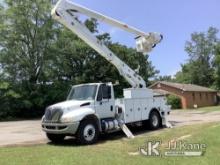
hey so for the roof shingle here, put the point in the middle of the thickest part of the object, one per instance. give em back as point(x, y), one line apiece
point(186, 87)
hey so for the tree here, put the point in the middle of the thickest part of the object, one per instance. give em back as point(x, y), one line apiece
point(26, 36)
point(164, 78)
point(201, 50)
point(217, 67)
point(190, 74)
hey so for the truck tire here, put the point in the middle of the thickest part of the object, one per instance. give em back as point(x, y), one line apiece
point(55, 138)
point(88, 132)
point(154, 121)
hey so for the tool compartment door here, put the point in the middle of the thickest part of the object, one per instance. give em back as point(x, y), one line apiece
point(129, 111)
point(137, 110)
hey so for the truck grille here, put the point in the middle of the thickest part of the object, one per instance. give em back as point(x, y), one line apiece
point(53, 115)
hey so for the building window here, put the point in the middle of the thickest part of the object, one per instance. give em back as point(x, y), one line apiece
point(216, 99)
point(207, 96)
point(193, 95)
point(200, 94)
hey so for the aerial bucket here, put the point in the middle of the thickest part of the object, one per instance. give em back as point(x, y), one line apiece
point(145, 44)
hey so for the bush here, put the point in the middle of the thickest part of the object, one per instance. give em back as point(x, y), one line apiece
point(20, 102)
point(174, 101)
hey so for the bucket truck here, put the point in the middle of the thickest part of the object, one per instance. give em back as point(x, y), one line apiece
point(91, 109)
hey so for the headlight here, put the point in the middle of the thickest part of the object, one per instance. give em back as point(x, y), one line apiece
point(66, 119)
point(42, 119)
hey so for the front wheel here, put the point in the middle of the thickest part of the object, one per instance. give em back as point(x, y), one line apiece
point(88, 132)
point(154, 120)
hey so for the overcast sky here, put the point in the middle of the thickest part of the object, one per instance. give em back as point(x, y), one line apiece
point(176, 20)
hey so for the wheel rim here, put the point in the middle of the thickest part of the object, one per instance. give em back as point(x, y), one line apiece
point(89, 132)
point(155, 120)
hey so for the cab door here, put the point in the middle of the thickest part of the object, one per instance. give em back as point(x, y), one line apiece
point(105, 103)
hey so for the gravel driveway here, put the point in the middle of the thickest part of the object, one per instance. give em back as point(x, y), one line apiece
point(29, 132)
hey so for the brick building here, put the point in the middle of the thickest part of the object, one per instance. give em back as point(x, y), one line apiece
point(191, 95)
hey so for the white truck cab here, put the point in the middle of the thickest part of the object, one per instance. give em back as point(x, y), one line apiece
point(85, 102)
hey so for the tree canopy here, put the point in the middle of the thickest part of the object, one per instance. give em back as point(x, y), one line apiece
point(217, 67)
point(203, 64)
point(40, 59)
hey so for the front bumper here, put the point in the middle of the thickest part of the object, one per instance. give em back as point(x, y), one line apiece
point(60, 128)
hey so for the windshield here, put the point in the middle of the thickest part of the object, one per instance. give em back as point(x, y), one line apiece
point(85, 92)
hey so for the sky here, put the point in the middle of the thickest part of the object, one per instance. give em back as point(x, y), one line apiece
point(175, 19)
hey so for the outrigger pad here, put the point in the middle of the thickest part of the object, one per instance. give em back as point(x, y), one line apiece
point(166, 123)
point(126, 131)
point(169, 125)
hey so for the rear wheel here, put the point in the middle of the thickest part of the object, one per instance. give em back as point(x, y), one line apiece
point(154, 120)
point(88, 132)
point(55, 138)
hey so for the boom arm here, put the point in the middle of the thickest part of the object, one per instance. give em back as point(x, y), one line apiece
point(66, 11)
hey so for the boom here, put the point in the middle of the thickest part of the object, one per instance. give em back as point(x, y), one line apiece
point(66, 12)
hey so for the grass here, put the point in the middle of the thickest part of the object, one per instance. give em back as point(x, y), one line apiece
point(210, 109)
point(116, 151)
point(204, 109)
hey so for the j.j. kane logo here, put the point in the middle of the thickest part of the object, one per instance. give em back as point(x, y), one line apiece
point(172, 148)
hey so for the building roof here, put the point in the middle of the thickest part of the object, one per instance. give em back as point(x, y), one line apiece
point(185, 87)
point(161, 92)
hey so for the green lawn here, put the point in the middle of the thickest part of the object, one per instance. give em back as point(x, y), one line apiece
point(210, 109)
point(204, 109)
point(118, 151)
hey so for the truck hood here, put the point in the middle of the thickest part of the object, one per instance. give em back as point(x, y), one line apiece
point(72, 109)
point(70, 105)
